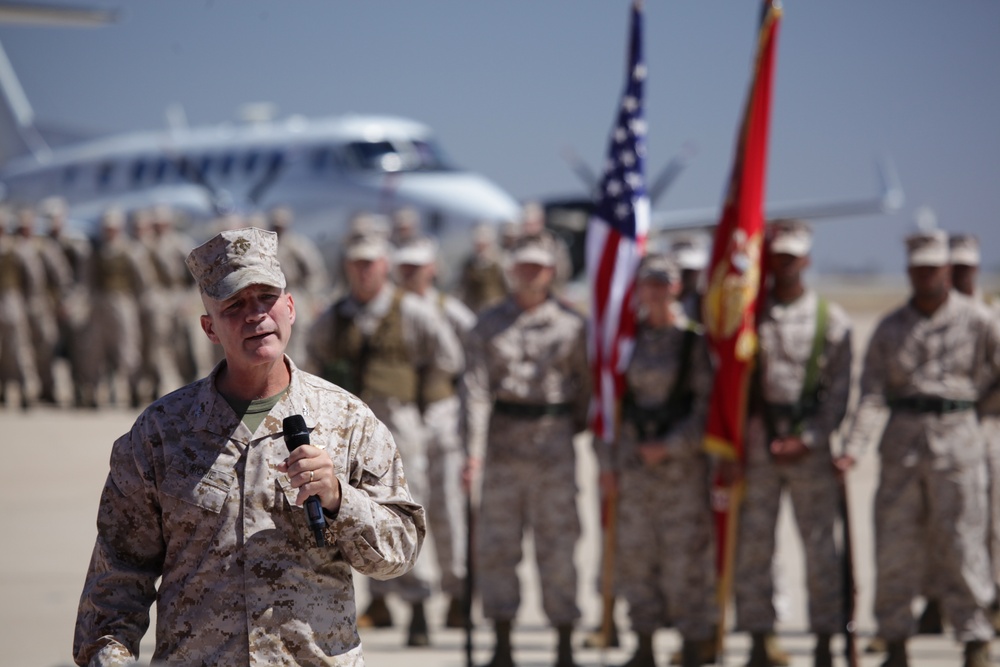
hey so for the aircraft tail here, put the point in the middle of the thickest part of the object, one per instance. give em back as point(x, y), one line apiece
point(18, 134)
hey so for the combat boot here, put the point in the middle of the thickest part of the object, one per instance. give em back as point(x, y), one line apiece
point(502, 654)
point(876, 645)
point(564, 649)
point(896, 655)
point(704, 647)
point(418, 635)
point(765, 652)
point(376, 616)
point(977, 654)
point(455, 618)
point(822, 657)
point(930, 622)
point(994, 616)
point(596, 639)
point(643, 656)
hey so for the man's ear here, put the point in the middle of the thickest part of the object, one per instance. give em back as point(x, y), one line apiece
point(206, 326)
point(291, 309)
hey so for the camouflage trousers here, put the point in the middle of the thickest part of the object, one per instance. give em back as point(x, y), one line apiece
point(665, 558)
point(922, 507)
point(812, 486)
point(521, 495)
point(991, 430)
point(445, 504)
point(406, 425)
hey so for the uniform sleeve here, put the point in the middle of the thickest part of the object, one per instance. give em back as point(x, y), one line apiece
point(872, 412)
point(379, 528)
point(582, 380)
point(836, 380)
point(128, 557)
point(436, 344)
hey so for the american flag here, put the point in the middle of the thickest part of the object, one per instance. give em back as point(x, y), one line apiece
point(616, 241)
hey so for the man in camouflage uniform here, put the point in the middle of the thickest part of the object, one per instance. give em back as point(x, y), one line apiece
point(926, 366)
point(528, 387)
point(49, 283)
point(169, 249)
point(204, 493)
point(74, 307)
point(416, 265)
point(17, 364)
point(665, 549)
point(119, 277)
point(964, 256)
point(376, 342)
point(797, 401)
point(481, 281)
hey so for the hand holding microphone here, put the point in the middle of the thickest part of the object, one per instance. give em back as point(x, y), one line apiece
point(310, 471)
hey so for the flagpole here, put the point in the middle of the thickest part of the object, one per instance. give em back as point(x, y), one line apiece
point(734, 498)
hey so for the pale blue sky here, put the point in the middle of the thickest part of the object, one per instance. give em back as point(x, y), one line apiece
point(507, 84)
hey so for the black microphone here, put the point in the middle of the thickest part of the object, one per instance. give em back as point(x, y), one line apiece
point(297, 434)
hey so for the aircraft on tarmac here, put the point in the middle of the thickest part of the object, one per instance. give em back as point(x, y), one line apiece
point(324, 169)
point(568, 216)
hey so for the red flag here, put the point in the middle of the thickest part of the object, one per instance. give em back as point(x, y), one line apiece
point(735, 277)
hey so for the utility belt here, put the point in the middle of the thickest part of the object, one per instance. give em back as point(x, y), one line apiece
point(531, 410)
point(929, 405)
point(784, 419)
point(657, 421)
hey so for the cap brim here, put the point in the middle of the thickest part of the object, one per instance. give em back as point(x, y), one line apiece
point(243, 278)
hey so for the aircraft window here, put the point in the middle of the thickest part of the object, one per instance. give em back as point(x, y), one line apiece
point(69, 175)
point(226, 165)
point(276, 161)
point(379, 155)
point(431, 157)
point(138, 171)
point(105, 173)
point(250, 162)
point(205, 164)
point(163, 170)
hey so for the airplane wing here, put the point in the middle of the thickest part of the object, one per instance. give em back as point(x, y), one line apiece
point(889, 200)
point(54, 15)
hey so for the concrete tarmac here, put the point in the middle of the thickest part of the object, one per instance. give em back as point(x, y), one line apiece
point(55, 462)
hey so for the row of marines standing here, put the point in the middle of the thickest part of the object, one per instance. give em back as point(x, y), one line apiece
point(521, 392)
point(525, 390)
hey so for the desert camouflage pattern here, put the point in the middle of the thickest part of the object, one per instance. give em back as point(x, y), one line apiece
point(932, 487)
point(429, 342)
point(666, 549)
point(445, 504)
point(787, 333)
point(51, 279)
point(535, 357)
point(195, 497)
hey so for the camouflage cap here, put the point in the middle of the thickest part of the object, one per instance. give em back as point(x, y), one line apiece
point(366, 246)
point(927, 249)
point(964, 249)
point(418, 252)
point(657, 266)
point(791, 237)
point(536, 249)
point(235, 259)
